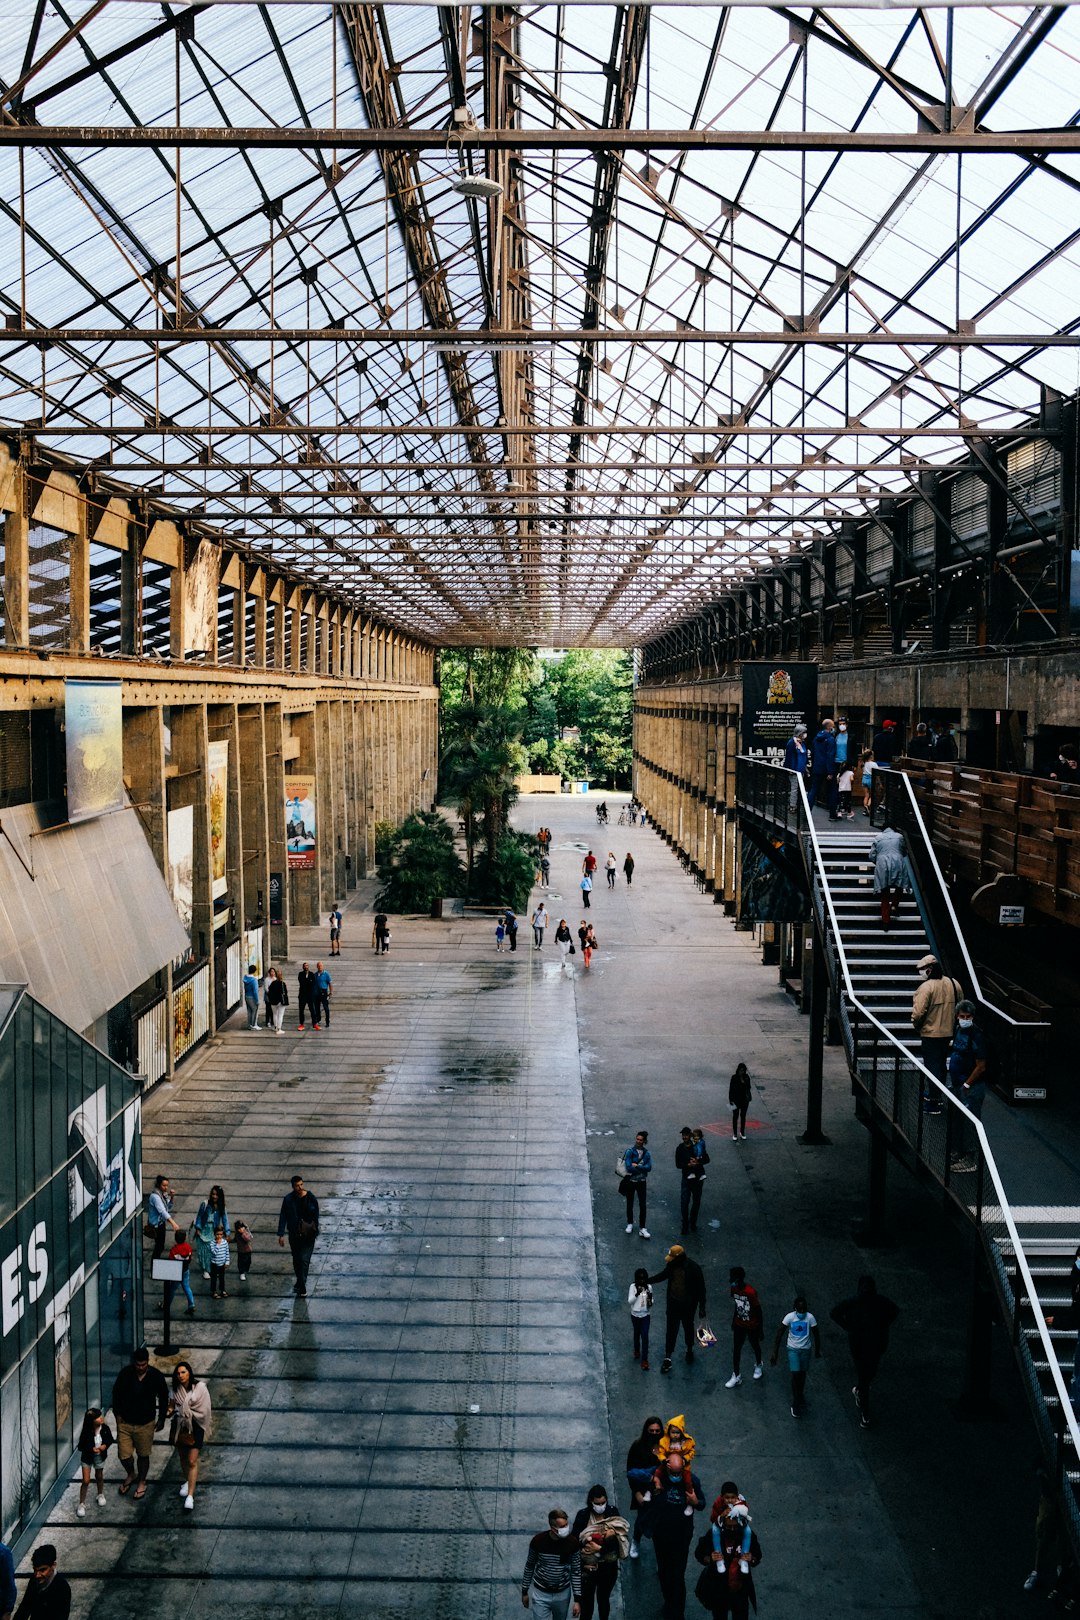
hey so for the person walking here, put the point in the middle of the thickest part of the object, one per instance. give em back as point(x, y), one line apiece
point(47, 1595)
point(182, 1251)
point(967, 1069)
point(586, 890)
point(892, 876)
point(543, 840)
point(299, 1219)
point(685, 1296)
point(588, 945)
point(511, 928)
point(739, 1094)
point(335, 929)
point(564, 940)
point(866, 1319)
point(690, 1162)
point(267, 981)
point(677, 1496)
point(933, 1018)
point(324, 989)
point(278, 996)
point(611, 866)
point(640, 1300)
point(545, 870)
point(212, 1213)
point(305, 996)
point(140, 1399)
point(551, 1582)
point(95, 1438)
point(380, 934)
point(802, 1331)
point(885, 745)
point(747, 1323)
point(628, 869)
point(588, 865)
point(539, 923)
point(159, 1214)
point(641, 1463)
point(251, 996)
point(637, 1163)
point(244, 1246)
point(191, 1412)
point(603, 1538)
point(842, 768)
point(219, 1260)
point(822, 766)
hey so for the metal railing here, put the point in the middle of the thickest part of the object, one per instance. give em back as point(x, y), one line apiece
point(893, 1082)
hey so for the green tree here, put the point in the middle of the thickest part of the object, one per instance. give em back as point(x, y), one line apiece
point(423, 864)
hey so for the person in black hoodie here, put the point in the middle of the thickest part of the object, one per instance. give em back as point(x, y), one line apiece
point(685, 1295)
point(305, 997)
point(866, 1319)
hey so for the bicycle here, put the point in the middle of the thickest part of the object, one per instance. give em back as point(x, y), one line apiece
point(624, 819)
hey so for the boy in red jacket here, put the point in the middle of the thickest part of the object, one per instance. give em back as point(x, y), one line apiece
point(746, 1323)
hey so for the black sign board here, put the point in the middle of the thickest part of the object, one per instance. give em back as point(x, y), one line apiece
point(277, 899)
point(776, 697)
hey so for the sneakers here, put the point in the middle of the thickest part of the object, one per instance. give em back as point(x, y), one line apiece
point(742, 1136)
point(1032, 1581)
point(665, 1365)
point(633, 1550)
point(721, 1567)
point(189, 1503)
point(643, 1232)
point(965, 1162)
point(183, 1489)
point(734, 1381)
point(759, 1371)
point(795, 1412)
point(629, 1226)
point(80, 1511)
point(101, 1499)
point(644, 1366)
point(744, 1566)
point(734, 1138)
point(637, 1355)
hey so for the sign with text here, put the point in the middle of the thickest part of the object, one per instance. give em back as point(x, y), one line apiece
point(277, 900)
point(776, 698)
point(94, 739)
point(300, 822)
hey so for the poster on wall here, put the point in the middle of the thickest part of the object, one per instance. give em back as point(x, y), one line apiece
point(768, 891)
point(277, 900)
point(201, 597)
point(775, 699)
point(181, 830)
point(94, 739)
point(300, 822)
point(218, 773)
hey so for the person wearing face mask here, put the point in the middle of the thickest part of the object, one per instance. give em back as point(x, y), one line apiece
point(843, 743)
point(603, 1536)
point(967, 1080)
point(1067, 768)
point(933, 1018)
point(677, 1496)
point(551, 1584)
point(641, 1462)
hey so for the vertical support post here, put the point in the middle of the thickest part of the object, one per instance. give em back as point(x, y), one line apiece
point(872, 1233)
point(975, 1402)
point(819, 998)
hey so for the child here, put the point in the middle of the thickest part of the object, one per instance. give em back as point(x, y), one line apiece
point(500, 933)
point(640, 1302)
point(866, 777)
point(843, 789)
point(95, 1438)
point(219, 1259)
point(182, 1251)
point(731, 1528)
point(243, 1250)
point(676, 1439)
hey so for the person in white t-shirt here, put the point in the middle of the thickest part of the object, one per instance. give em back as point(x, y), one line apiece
point(803, 1339)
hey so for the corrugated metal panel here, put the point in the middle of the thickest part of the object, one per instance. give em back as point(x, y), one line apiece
point(879, 551)
point(967, 515)
point(922, 534)
point(1034, 474)
point(152, 1040)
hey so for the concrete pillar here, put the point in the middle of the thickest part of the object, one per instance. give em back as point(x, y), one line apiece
point(17, 572)
point(273, 733)
point(79, 582)
point(178, 611)
point(259, 657)
point(254, 814)
point(327, 806)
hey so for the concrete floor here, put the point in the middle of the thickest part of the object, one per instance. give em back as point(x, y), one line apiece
point(462, 1362)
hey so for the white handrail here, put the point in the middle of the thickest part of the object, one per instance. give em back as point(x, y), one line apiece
point(913, 804)
point(1067, 1411)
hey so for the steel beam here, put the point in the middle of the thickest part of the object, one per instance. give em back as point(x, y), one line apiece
point(504, 342)
point(1023, 142)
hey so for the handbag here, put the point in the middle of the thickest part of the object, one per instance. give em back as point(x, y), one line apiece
point(626, 1187)
point(705, 1336)
point(148, 1230)
point(185, 1437)
point(573, 948)
point(620, 1165)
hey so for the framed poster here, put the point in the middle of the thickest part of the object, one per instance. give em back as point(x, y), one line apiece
point(218, 774)
point(94, 744)
point(300, 822)
point(776, 697)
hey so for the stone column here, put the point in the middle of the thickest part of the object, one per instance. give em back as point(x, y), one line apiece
point(79, 564)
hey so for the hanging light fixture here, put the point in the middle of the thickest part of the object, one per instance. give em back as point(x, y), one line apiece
point(467, 184)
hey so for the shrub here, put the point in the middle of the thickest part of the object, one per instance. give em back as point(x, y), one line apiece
point(422, 864)
point(507, 879)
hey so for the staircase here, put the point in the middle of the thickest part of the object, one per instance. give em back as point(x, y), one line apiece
point(881, 964)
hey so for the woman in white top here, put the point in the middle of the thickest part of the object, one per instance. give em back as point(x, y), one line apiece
point(610, 867)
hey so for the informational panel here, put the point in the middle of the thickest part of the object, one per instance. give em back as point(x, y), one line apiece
point(218, 771)
point(300, 822)
point(775, 699)
point(94, 738)
point(277, 899)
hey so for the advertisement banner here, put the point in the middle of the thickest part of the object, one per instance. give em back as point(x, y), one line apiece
point(201, 597)
point(94, 738)
point(776, 697)
point(218, 772)
point(277, 899)
point(300, 822)
point(181, 833)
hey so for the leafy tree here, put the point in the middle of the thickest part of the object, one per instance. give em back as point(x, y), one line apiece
point(507, 878)
point(423, 863)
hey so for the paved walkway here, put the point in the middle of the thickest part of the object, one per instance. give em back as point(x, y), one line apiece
point(462, 1361)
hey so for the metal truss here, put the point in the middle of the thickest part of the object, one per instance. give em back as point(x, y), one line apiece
point(747, 276)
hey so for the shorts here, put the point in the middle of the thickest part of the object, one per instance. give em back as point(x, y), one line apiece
point(799, 1360)
point(134, 1439)
point(335, 933)
point(200, 1437)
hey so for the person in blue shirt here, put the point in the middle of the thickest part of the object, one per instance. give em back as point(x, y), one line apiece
point(795, 754)
point(251, 996)
point(967, 1080)
point(843, 742)
point(823, 765)
point(323, 991)
point(636, 1163)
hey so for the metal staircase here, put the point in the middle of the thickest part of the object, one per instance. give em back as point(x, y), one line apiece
point(872, 979)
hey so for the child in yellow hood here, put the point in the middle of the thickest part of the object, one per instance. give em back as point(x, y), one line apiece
point(677, 1439)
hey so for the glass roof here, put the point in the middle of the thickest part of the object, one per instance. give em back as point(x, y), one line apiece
point(281, 340)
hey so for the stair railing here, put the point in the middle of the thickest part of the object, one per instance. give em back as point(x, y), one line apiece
point(895, 1082)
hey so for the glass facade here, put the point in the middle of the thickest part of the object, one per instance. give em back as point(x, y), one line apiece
point(70, 1307)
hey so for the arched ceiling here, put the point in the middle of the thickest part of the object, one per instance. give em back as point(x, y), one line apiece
point(747, 269)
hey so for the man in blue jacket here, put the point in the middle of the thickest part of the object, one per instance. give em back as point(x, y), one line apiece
point(822, 764)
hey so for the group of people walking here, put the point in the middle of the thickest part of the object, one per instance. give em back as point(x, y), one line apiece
point(314, 989)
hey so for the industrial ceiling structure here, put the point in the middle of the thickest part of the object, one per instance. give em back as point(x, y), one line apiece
point(541, 324)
